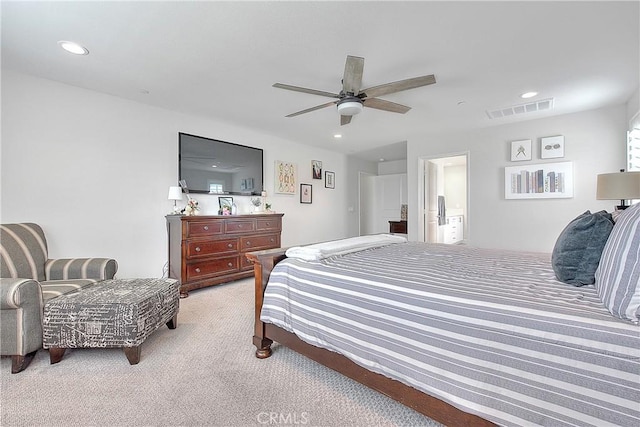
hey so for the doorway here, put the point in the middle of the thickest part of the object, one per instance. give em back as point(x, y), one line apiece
point(443, 199)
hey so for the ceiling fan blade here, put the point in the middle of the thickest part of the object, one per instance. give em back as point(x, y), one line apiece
point(305, 90)
point(352, 79)
point(308, 110)
point(398, 86)
point(381, 104)
point(345, 120)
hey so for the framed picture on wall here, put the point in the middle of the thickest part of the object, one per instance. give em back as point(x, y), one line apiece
point(541, 181)
point(521, 150)
point(286, 177)
point(552, 147)
point(305, 193)
point(316, 168)
point(329, 179)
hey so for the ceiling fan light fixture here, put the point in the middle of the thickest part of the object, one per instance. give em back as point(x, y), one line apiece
point(350, 106)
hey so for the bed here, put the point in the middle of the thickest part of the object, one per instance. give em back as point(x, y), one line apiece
point(466, 336)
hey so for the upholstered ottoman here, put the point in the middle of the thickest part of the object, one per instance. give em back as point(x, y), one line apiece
point(110, 313)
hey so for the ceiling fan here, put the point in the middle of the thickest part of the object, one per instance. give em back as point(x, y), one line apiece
point(352, 99)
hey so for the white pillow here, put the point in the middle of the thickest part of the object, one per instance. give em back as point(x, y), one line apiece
point(618, 274)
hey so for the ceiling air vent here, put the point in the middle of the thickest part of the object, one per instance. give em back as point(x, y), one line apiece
point(529, 107)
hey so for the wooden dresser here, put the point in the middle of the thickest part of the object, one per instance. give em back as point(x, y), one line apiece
point(398, 227)
point(209, 250)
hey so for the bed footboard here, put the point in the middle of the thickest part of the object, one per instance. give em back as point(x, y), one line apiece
point(263, 263)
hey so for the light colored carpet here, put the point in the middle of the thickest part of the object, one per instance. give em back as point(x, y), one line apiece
point(204, 373)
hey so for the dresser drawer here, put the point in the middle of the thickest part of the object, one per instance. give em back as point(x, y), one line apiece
point(245, 264)
point(268, 224)
point(204, 228)
point(200, 248)
point(240, 226)
point(212, 267)
point(256, 243)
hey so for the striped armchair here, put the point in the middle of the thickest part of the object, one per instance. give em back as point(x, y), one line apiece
point(28, 278)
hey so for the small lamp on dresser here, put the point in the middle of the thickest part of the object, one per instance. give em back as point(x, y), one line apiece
point(175, 194)
point(621, 186)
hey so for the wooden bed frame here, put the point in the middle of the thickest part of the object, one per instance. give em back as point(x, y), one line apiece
point(265, 334)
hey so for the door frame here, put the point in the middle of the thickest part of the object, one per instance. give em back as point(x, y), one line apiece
point(422, 198)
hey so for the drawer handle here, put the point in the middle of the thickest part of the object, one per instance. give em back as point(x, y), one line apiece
point(197, 269)
point(230, 264)
point(239, 225)
point(197, 248)
point(273, 240)
point(229, 245)
point(268, 224)
point(206, 227)
point(248, 243)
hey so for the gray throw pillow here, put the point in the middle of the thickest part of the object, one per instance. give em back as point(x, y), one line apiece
point(577, 251)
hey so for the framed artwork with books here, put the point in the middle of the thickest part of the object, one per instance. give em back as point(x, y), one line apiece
point(540, 181)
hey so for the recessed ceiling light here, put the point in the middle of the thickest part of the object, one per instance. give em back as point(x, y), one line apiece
point(528, 95)
point(73, 47)
point(337, 135)
point(382, 159)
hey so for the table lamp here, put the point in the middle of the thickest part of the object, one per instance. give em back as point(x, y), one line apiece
point(621, 186)
point(175, 194)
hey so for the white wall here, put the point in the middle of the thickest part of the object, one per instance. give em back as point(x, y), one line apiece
point(352, 182)
point(455, 189)
point(594, 142)
point(94, 170)
point(392, 167)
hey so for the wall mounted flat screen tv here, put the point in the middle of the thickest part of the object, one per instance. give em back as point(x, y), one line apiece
point(219, 167)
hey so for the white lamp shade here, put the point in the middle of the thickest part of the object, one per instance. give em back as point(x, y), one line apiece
point(350, 108)
point(175, 193)
point(618, 186)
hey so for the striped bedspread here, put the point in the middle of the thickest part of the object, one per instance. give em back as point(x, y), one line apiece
point(491, 332)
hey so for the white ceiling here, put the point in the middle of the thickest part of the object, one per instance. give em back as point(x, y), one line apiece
point(220, 59)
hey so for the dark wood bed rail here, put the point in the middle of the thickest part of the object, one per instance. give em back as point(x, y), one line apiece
point(265, 334)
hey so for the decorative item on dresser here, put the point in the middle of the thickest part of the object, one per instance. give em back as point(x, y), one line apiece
point(210, 250)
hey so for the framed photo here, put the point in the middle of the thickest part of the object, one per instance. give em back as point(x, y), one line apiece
point(329, 179)
point(541, 181)
point(521, 150)
point(552, 147)
point(225, 202)
point(316, 168)
point(286, 179)
point(305, 193)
